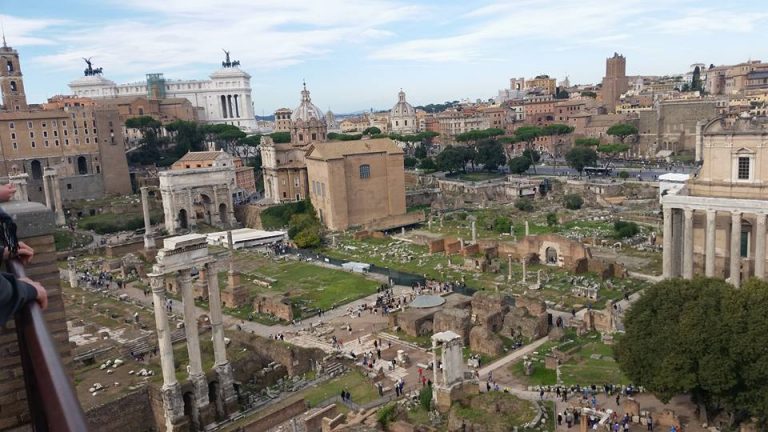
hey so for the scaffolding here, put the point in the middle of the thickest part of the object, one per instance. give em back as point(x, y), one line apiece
point(155, 86)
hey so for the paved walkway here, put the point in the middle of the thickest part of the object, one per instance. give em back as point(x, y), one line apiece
point(514, 355)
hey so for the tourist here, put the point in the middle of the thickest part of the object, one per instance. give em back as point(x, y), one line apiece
point(650, 423)
point(569, 419)
point(618, 397)
point(559, 418)
point(541, 394)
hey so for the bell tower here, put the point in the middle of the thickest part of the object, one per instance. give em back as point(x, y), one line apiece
point(11, 81)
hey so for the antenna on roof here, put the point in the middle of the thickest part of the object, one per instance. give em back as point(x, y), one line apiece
point(2, 26)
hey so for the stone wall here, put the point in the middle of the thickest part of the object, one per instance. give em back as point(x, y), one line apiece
point(275, 415)
point(488, 309)
point(297, 360)
point(128, 413)
point(117, 251)
point(35, 227)
point(483, 340)
point(273, 304)
point(314, 422)
point(455, 320)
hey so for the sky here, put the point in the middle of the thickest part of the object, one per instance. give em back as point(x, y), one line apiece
point(357, 54)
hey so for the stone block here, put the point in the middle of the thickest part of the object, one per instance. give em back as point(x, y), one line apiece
point(482, 340)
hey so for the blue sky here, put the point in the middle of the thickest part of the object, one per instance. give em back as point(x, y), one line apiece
point(357, 54)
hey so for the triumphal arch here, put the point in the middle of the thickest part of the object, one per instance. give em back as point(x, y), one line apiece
point(199, 194)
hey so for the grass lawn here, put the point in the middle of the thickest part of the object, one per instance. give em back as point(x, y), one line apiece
point(581, 369)
point(478, 176)
point(356, 383)
point(66, 239)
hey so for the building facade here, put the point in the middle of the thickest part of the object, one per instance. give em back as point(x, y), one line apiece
point(716, 225)
point(354, 183)
point(224, 98)
point(83, 142)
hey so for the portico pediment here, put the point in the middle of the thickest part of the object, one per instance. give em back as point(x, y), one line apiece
point(744, 151)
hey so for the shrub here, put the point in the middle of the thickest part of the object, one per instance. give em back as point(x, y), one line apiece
point(386, 415)
point(501, 224)
point(552, 219)
point(573, 201)
point(524, 204)
point(624, 229)
point(623, 175)
point(461, 216)
point(425, 398)
point(410, 162)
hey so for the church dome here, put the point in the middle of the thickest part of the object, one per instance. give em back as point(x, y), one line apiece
point(402, 108)
point(306, 110)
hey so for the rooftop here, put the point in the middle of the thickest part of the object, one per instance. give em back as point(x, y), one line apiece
point(200, 156)
point(339, 149)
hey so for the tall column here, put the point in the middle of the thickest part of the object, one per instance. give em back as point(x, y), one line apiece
point(61, 220)
point(760, 246)
point(709, 259)
point(735, 249)
point(173, 403)
point(509, 258)
point(688, 243)
point(195, 368)
point(230, 208)
point(149, 241)
point(667, 247)
point(217, 327)
point(229, 104)
point(47, 190)
point(216, 207)
point(237, 106)
point(221, 365)
point(20, 180)
point(474, 232)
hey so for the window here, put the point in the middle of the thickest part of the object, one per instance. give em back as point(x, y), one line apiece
point(11, 125)
point(13, 135)
point(31, 134)
point(69, 186)
point(29, 125)
point(743, 168)
point(15, 146)
point(13, 86)
point(44, 124)
point(55, 133)
point(45, 133)
point(365, 171)
point(33, 144)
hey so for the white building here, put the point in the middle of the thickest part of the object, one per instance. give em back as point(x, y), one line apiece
point(402, 117)
point(225, 98)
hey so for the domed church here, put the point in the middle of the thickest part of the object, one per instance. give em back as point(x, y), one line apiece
point(402, 117)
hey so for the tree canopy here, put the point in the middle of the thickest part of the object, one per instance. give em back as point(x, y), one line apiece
point(587, 142)
point(556, 129)
point(490, 154)
point(519, 165)
point(622, 131)
point(451, 159)
point(373, 130)
point(580, 157)
point(280, 137)
point(477, 135)
point(704, 338)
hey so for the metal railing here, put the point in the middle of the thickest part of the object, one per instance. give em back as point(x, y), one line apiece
point(53, 404)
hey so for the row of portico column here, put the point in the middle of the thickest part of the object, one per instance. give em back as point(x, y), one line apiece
point(171, 390)
point(679, 239)
point(227, 103)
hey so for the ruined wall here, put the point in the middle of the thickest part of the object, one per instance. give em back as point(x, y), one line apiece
point(455, 320)
point(276, 305)
point(275, 415)
point(314, 422)
point(128, 413)
point(297, 360)
point(117, 251)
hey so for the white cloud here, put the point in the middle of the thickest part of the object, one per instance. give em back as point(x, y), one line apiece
point(175, 34)
point(25, 31)
point(709, 20)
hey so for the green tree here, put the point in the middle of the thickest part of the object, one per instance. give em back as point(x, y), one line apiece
point(551, 219)
point(532, 155)
point(623, 175)
point(410, 162)
point(573, 201)
point(589, 94)
point(580, 157)
point(612, 151)
point(450, 160)
point(519, 165)
point(556, 129)
point(703, 338)
point(188, 136)
point(622, 131)
point(468, 155)
point(372, 130)
point(524, 204)
point(587, 142)
point(624, 229)
point(428, 164)
point(490, 154)
point(528, 134)
point(420, 152)
point(696, 84)
point(280, 137)
point(147, 126)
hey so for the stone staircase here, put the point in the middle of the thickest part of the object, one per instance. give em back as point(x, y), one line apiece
point(148, 342)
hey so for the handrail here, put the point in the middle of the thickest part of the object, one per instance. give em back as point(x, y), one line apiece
point(53, 404)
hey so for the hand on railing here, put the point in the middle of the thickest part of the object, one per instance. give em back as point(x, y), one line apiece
point(42, 294)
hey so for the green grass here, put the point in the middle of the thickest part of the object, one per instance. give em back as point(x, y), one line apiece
point(478, 176)
point(106, 223)
point(66, 240)
point(359, 386)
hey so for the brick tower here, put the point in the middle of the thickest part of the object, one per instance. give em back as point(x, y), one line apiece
point(11, 81)
point(615, 81)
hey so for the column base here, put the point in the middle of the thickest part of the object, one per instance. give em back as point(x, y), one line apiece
point(173, 405)
point(227, 388)
point(61, 220)
point(204, 412)
point(149, 242)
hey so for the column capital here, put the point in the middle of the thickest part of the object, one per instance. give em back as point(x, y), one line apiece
point(688, 212)
point(156, 282)
point(711, 213)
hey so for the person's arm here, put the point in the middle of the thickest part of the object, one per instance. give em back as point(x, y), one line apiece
point(14, 294)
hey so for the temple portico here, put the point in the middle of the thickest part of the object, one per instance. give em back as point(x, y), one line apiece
point(724, 237)
point(176, 259)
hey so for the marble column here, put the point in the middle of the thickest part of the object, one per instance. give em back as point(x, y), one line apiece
point(231, 221)
point(47, 190)
point(221, 365)
point(709, 254)
point(667, 247)
point(217, 326)
point(688, 243)
point(61, 220)
point(195, 367)
point(149, 241)
point(164, 344)
point(760, 246)
point(509, 257)
point(191, 213)
point(216, 207)
point(735, 277)
point(474, 232)
point(72, 271)
point(173, 404)
point(20, 180)
point(525, 272)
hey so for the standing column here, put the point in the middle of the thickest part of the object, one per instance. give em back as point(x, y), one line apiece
point(509, 257)
point(709, 259)
point(474, 232)
point(667, 247)
point(230, 209)
point(217, 328)
point(735, 249)
point(47, 190)
point(229, 103)
point(61, 220)
point(191, 213)
point(216, 205)
point(688, 243)
point(760, 247)
point(149, 241)
point(195, 368)
point(173, 403)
